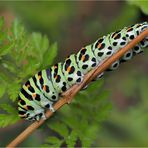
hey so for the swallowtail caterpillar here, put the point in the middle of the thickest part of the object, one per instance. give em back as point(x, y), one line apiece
point(42, 90)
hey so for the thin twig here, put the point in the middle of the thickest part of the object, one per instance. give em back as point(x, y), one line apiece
point(70, 93)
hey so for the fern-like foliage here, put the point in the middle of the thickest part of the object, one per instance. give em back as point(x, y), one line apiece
point(78, 124)
point(22, 54)
point(9, 117)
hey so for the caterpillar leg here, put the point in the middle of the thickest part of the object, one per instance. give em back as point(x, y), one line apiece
point(30, 115)
point(137, 49)
point(23, 113)
point(144, 43)
point(114, 66)
point(127, 56)
point(27, 107)
point(37, 117)
point(31, 109)
point(85, 87)
point(49, 106)
point(99, 76)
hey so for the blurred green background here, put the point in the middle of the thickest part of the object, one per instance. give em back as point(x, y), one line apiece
point(73, 25)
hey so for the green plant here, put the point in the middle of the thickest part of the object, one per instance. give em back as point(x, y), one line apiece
point(141, 4)
point(21, 55)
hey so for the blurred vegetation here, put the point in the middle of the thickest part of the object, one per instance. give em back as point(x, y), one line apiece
point(143, 5)
point(127, 126)
point(83, 123)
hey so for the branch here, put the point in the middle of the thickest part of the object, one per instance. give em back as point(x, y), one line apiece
point(70, 93)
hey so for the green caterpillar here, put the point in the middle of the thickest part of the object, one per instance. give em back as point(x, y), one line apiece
point(42, 90)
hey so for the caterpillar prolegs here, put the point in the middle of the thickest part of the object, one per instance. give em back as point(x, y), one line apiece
point(42, 90)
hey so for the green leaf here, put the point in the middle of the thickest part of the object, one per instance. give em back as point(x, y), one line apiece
point(8, 108)
point(40, 44)
point(4, 78)
point(30, 68)
point(59, 128)
point(13, 91)
point(6, 49)
point(3, 36)
point(2, 90)
point(71, 139)
point(36, 40)
point(10, 66)
point(143, 5)
point(49, 55)
point(54, 141)
point(17, 29)
point(7, 119)
point(44, 44)
point(10, 117)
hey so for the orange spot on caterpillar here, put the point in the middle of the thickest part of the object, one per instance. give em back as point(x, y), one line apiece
point(129, 29)
point(44, 87)
point(26, 107)
point(99, 45)
point(69, 69)
point(28, 86)
point(83, 57)
point(115, 35)
point(39, 77)
point(34, 96)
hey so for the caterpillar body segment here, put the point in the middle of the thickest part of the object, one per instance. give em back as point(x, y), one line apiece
point(103, 49)
point(71, 70)
point(45, 88)
point(58, 80)
point(86, 59)
point(118, 39)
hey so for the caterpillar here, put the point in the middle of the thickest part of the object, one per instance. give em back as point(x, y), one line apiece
point(42, 90)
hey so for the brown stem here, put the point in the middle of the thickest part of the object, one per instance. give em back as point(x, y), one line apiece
point(70, 93)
